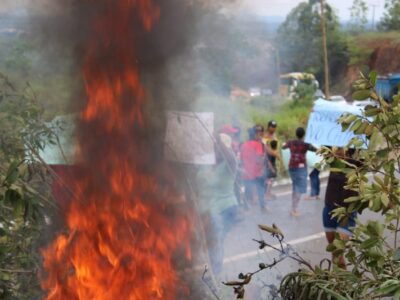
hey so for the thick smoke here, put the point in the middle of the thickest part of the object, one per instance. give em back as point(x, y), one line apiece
point(64, 28)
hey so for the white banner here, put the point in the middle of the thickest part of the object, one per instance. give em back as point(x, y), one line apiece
point(323, 127)
point(189, 137)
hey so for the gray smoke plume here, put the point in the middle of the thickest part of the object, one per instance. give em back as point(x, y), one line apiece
point(64, 26)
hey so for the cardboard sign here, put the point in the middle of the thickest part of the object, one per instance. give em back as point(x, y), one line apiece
point(323, 127)
point(189, 138)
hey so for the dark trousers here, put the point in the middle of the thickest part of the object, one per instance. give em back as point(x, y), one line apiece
point(259, 185)
point(315, 183)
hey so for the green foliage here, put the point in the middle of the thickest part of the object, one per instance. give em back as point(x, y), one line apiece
point(290, 115)
point(23, 194)
point(358, 15)
point(374, 250)
point(358, 53)
point(300, 44)
point(391, 17)
point(304, 92)
point(22, 59)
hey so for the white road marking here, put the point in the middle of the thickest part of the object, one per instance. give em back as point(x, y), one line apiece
point(242, 256)
point(292, 243)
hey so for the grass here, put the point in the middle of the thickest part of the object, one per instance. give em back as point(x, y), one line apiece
point(362, 45)
point(374, 36)
point(287, 113)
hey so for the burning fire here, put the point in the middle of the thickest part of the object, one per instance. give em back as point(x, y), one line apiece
point(121, 235)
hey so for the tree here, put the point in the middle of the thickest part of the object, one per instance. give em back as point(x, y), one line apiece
point(391, 17)
point(299, 41)
point(358, 15)
point(373, 253)
point(23, 196)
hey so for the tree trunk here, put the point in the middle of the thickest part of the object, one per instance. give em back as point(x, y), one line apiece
point(325, 50)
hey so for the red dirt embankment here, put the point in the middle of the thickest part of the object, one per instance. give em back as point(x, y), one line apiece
point(384, 59)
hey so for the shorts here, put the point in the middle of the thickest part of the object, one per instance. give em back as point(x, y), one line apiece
point(299, 180)
point(331, 224)
point(270, 174)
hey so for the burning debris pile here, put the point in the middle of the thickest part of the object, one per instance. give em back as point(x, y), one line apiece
point(121, 233)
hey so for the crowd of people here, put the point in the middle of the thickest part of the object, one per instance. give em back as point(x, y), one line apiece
point(257, 165)
point(244, 174)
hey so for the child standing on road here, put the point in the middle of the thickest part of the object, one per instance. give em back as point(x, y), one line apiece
point(271, 169)
point(298, 167)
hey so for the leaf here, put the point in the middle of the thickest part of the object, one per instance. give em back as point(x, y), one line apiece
point(382, 154)
point(330, 248)
point(367, 244)
point(373, 75)
point(389, 286)
point(371, 111)
point(12, 173)
point(339, 244)
point(357, 142)
point(336, 170)
point(385, 199)
point(352, 199)
point(345, 126)
point(361, 95)
point(362, 128)
point(356, 125)
point(379, 180)
point(333, 293)
point(369, 130)
point(397, 294)
point(350, 118)
point(374, 228)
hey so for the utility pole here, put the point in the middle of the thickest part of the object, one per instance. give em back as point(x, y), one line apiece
point(325, 49)
point(373, 15)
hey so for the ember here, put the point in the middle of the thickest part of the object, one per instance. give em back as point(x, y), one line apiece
point(120, 240)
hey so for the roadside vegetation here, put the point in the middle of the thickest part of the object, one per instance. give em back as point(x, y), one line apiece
point(24, 189)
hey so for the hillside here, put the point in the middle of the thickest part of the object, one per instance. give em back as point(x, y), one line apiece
point(379, 51)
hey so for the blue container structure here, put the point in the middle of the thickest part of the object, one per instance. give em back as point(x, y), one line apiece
point(388, 86)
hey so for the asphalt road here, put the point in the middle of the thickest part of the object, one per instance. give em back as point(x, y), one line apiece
point(304, 233)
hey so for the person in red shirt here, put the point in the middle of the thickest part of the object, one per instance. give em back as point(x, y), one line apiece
point(252, 156)
point(298, 167)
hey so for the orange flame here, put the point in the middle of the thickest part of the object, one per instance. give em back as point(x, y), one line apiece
point(120, 240)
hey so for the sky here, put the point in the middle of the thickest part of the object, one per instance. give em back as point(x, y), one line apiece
point(259, 7)
point(283, 7)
